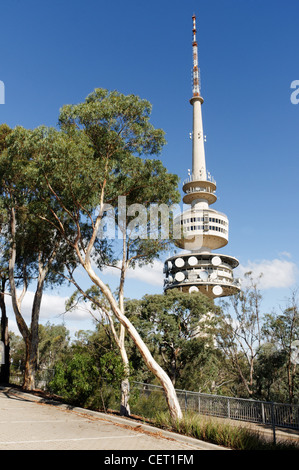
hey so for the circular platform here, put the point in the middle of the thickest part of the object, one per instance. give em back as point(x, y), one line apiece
point(208, 273)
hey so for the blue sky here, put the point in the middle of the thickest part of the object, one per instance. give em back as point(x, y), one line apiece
point(54, 53)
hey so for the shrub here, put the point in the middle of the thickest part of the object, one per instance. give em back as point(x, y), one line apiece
point(145, 405)
point(84, 381)
point(75, 379)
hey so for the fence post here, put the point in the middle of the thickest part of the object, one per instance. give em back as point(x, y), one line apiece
point(228, 408)
point(186, 401)
point(273, 422)
point(198, 403)
point(263, 413)
point(2, 353)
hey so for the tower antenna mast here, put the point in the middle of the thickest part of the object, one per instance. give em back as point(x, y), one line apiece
point(196, 74)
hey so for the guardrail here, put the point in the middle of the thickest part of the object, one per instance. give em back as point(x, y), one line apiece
point(269, 413)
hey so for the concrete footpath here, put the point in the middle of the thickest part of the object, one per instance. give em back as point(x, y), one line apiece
point(29, 422)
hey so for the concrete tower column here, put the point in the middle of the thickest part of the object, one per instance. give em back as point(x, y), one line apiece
point(198, 151)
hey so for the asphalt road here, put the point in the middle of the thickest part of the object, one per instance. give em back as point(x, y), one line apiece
point(28, 422)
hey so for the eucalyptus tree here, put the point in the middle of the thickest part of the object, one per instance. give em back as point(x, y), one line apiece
point(82, 169)
point(35, 252)
point(282, 331)
point(174, 323)
point(240, 335)
point(53, 343)
point(4, 336)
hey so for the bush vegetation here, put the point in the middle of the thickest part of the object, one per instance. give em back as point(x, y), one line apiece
point(232, 436)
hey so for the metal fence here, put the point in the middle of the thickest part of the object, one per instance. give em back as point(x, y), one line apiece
point(262, 412)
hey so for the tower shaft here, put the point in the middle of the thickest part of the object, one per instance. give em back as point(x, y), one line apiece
point(199, 171)
point(198, 151)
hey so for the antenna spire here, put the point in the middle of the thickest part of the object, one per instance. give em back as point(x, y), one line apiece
point(196, 86)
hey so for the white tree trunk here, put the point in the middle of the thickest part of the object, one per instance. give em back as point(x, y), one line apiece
point(125, 384)
point(173, 403)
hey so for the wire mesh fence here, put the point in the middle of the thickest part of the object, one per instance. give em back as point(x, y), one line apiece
point(262, 412)
point(149, 398)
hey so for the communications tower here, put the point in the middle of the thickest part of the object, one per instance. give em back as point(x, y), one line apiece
point(203, 229)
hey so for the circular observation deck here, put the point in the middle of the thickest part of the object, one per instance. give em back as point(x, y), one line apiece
point(199, 190)
point(210, 274)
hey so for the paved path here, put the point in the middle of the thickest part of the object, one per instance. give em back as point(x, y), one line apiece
point(28, 422)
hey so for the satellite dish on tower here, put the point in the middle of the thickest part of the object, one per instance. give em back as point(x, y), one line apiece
point(193, 289)
point(179, 262)
point(217, 290)
point(204, 275)
point(180, 276)
point(192, 261)
point(216, 261)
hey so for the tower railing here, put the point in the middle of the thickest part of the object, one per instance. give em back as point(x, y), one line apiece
point(199, 189)
point(192, 178)
point(212, 282)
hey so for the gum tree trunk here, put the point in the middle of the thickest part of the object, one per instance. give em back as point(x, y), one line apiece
point(30, 335)
point(125, 384)
point(172, 401)
point(4, 368)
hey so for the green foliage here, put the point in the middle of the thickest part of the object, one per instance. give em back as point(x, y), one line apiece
point(170, 324)
point(89, 374)
point(269, 374)
point(17, 352)
point(5, 130)
point(282, 329)
point(146, 404)
point(111, 118)
point(53, 343)
point(76, 379)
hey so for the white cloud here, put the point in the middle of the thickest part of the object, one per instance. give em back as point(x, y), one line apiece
point(52, 307)
point(150, 274)
point(276, 273)
point(286, 254)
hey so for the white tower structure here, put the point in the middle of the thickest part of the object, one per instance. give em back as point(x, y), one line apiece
point(203, 229)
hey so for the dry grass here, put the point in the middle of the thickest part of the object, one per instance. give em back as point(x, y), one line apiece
point(236, 437)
